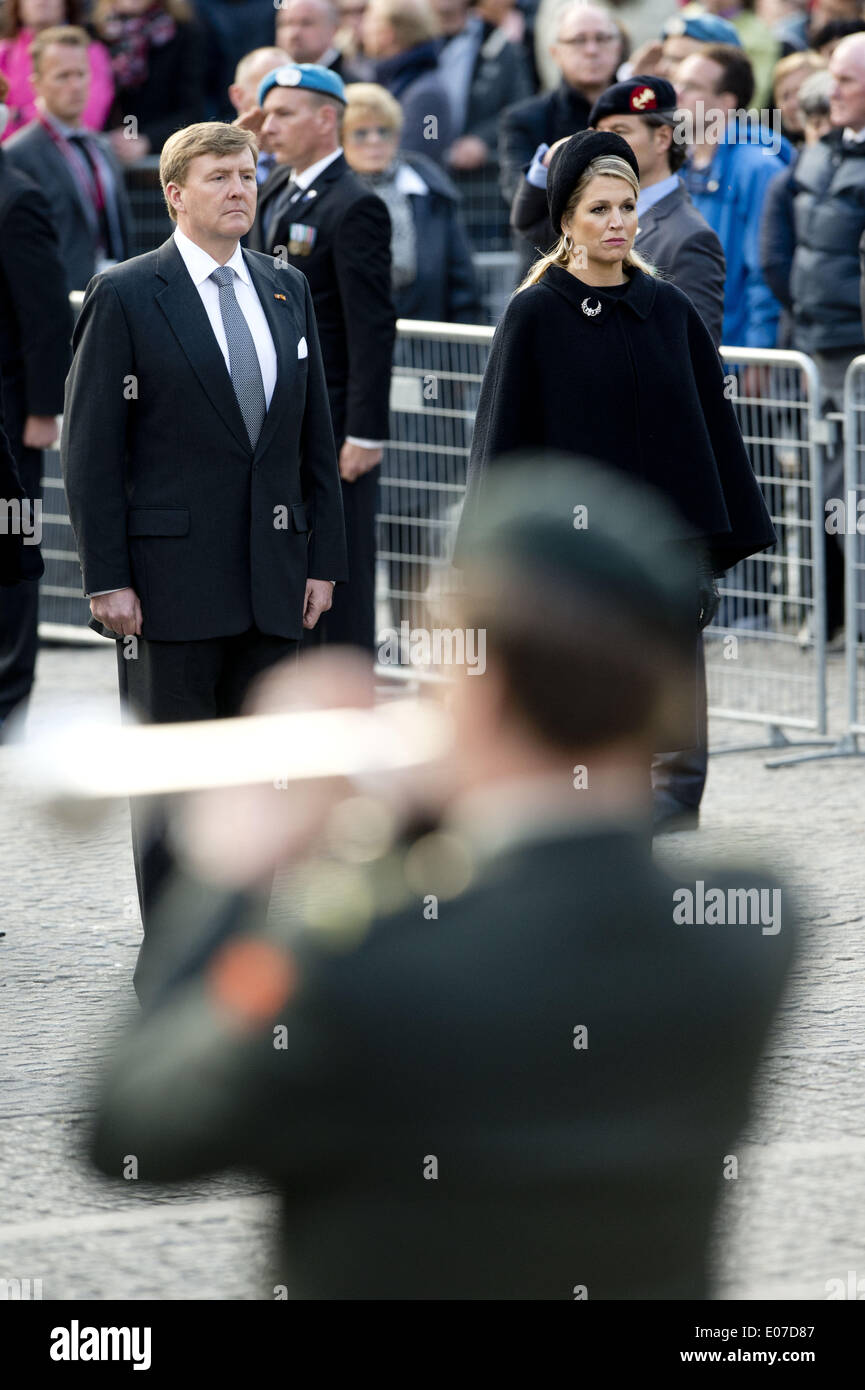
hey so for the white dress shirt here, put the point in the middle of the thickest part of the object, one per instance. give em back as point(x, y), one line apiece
point(200, 264)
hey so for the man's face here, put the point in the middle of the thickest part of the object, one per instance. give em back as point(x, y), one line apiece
point(451, 15)
point(643, 139)
point(697, 81)
point(588, 48)
point(293, 125)
point(218, 197)
point(379, 39)
point(847, 94)
point(676, 49)
point(63, 81)
point(305, 29)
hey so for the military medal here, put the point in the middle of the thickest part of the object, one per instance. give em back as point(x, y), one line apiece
point(588, 310)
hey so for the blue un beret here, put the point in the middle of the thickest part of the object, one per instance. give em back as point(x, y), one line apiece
point(307, 77)
point(705, 28)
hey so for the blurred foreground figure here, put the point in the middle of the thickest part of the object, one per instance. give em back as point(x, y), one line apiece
point(489, 1059)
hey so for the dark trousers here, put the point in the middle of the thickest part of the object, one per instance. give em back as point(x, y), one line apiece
point(19, 608)
point(351, 619)
point(172, 682)
point(678, 778)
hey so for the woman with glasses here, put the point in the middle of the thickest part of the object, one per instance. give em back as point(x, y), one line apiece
point(432, 276)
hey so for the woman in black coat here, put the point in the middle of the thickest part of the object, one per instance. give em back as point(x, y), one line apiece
point(597, 356)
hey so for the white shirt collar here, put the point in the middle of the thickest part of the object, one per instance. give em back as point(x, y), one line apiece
point(201, 264)
point(854, 136)
point(408, 180)
point(311, 174)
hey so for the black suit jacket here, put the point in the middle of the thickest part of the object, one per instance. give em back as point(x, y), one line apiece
point(34, 153)
point(672, 234)
point(348, 269)
point(35, 317)
point(561, 1158)
point(164, 491)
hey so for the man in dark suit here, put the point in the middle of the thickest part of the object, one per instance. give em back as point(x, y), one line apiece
point(588, 50)
point(502, 1066)
point(75, 168)
point(306, 29)
point(679, 242)
point(201, 475)
point(35, 330)
point(315, 214)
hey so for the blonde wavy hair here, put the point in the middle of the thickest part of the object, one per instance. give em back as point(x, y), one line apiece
point(616, 168)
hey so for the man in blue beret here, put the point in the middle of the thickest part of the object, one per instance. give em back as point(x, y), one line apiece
point(316, 215)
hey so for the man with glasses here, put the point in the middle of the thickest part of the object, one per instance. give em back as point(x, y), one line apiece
point(588, 49)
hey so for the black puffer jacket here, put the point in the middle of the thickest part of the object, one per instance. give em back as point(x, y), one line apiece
point(828, 187)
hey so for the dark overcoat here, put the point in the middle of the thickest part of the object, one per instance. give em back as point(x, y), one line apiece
point(637, 385)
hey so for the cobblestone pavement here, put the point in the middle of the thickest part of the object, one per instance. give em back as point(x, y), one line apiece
point(793, 1219)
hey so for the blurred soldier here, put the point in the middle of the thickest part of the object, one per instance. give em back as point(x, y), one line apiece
point(503, 1064)
point(35, 332)
point(74, 167)
point(315, 214)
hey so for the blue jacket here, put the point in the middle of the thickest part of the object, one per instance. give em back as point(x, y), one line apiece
point(730, 193)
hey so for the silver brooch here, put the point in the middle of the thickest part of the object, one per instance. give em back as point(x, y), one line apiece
point(588, 310)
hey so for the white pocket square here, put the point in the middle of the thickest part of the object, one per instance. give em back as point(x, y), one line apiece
point(302, 349)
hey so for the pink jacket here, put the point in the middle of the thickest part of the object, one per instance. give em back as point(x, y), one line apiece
point(15, 66)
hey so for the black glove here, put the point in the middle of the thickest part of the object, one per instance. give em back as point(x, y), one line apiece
point(708, 598)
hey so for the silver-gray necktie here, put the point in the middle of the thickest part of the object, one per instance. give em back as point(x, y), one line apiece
point(242, 357)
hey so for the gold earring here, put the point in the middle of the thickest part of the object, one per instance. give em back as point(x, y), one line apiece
point(567, 242)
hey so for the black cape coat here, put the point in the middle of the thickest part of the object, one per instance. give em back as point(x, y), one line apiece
point(638, 386)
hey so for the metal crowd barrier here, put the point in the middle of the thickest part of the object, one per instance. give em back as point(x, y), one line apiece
point(766, 651)
point(852, 512)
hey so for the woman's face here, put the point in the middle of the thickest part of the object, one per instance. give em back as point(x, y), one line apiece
point(370, 143)
point(604, 222)
point(42, 14)
point(787, 98)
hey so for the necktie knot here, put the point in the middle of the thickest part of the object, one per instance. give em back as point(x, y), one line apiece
point(223, 275)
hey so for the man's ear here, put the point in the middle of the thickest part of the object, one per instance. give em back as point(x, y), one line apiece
point(237, 97)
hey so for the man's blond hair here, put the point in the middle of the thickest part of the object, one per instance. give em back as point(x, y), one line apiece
point(206, 137)
point(69, 35)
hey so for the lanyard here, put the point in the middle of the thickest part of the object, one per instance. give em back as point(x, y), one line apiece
point(92, 180)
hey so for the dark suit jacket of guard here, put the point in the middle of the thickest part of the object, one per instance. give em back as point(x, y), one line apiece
point(348, 270)
point(557, 1165)
point(165, 493)
point(33, 152)
point(672, 234)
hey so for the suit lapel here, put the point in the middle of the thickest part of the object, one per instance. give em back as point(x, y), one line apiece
point(181, 304)
point(281, 324)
